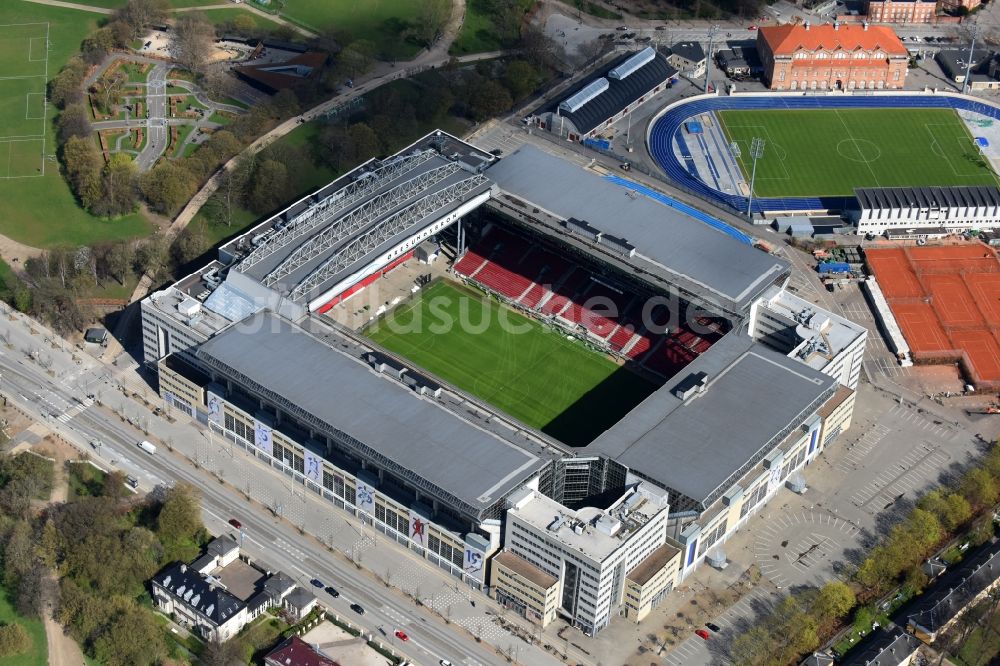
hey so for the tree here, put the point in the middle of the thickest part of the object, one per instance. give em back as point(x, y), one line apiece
point(752, 647)
point(114, 484)
point(167, 187)
point(13, 639)
point(979, 488)
point(132, 638)
point(217, 653)
point(521, 78)
point(118, 259)
point(233, 189)
point(179, 521)
point(119, 179)
point(951, 509)
point(189, 245)
point(109, 88)
point(151, 256)
point(67, 85)
point(490, 99)
point(97, 45)
point(18, 553)
point(83, 170)
point(48, 544)
point(355, 59)
point(74, 121)
point(271, 186)
point(833, 602)
point(191, 42)
point(431, 19)
point(140, 14)
point(925, 531)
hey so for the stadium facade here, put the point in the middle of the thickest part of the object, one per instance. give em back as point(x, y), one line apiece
point(243, 345)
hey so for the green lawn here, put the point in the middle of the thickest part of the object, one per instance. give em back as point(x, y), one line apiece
point(832, 151)
point(595, 9)
point(536, 375)
point(39, 209)
point(478, 33)
point(380, 21)
point(229, 14)
point(84, 479)
point(37, 654)
point(176, 4)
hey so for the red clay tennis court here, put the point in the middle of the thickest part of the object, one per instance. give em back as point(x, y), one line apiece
point(946, 299)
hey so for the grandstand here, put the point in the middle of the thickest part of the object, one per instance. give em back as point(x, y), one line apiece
point(642, 290)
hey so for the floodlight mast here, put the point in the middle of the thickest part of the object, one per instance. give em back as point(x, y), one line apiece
point(756, 152)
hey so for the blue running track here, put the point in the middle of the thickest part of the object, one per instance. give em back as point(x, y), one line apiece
point(682, 207)
point(671, 125)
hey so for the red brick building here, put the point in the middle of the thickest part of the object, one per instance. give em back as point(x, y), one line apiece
point(901, 11)
point(832, 57)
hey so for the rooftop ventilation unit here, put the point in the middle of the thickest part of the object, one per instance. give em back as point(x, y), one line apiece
point(576, 101)
point(633, 64)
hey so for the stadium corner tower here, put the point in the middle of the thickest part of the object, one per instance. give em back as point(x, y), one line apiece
point(259, 345)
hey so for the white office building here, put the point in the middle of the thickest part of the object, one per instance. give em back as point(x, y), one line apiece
point(925, 211)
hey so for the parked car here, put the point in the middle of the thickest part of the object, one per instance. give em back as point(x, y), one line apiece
point(701, 633)
point(357, 608)
point(713, 626)
point(235, 523)
point(401, 635)
point(752, 27)
point(316, 582)
point(332, 591)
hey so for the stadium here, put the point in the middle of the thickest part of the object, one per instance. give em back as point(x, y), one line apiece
point(818, 148)
point(447, 345)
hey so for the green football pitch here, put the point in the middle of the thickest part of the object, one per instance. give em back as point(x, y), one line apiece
point(23, 69)
point(536, 375)
point(827, 152)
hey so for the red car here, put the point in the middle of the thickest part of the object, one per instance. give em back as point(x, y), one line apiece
point(401, 635)
point(701, 633)
point(235, 523)
point(753, 27)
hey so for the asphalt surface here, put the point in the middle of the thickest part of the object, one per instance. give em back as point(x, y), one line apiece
point(38, 374)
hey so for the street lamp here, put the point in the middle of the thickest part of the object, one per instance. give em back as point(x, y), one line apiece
point(756, 152)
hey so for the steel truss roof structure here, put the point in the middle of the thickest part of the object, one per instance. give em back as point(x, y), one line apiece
point(356, 220)
point(335, 204)
point(385, 230)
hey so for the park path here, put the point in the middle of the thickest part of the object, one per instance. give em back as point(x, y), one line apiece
point(73, 5)
point(16, 253)
point(63, 650)
point(275, 18)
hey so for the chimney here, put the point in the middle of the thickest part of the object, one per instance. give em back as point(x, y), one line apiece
point(865, 25)
point(836, 25)
point(806, 24)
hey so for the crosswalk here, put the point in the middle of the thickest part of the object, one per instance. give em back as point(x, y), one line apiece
point(70, 414)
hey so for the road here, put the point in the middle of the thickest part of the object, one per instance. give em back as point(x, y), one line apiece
point(50, 385)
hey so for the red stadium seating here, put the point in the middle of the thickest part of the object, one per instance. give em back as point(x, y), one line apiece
point(540, 279)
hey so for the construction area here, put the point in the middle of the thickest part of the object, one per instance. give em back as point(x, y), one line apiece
point(946, 301)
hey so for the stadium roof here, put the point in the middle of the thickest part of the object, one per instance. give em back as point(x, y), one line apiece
point(691, 252)
point(410, 434)
point(700, 447)
point(786, 39)
point(593, 102)
point(891, 198)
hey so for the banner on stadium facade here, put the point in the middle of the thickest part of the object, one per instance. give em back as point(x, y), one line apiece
point(262, 437)
point(215, 404)
point(313, 466)
point(365, 497)
point(474, 561)
point(418, 528)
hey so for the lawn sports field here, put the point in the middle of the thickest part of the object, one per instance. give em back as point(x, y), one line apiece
point(829, 152)
point(536, 375)
point(23, 76)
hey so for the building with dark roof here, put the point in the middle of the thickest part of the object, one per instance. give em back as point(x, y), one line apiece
point(925, 210)
point(688, 58)
point(218, 594)
point(271, 77)
point(739, 59)
point(954, 592)
point(608, 95)
point(883, 648)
